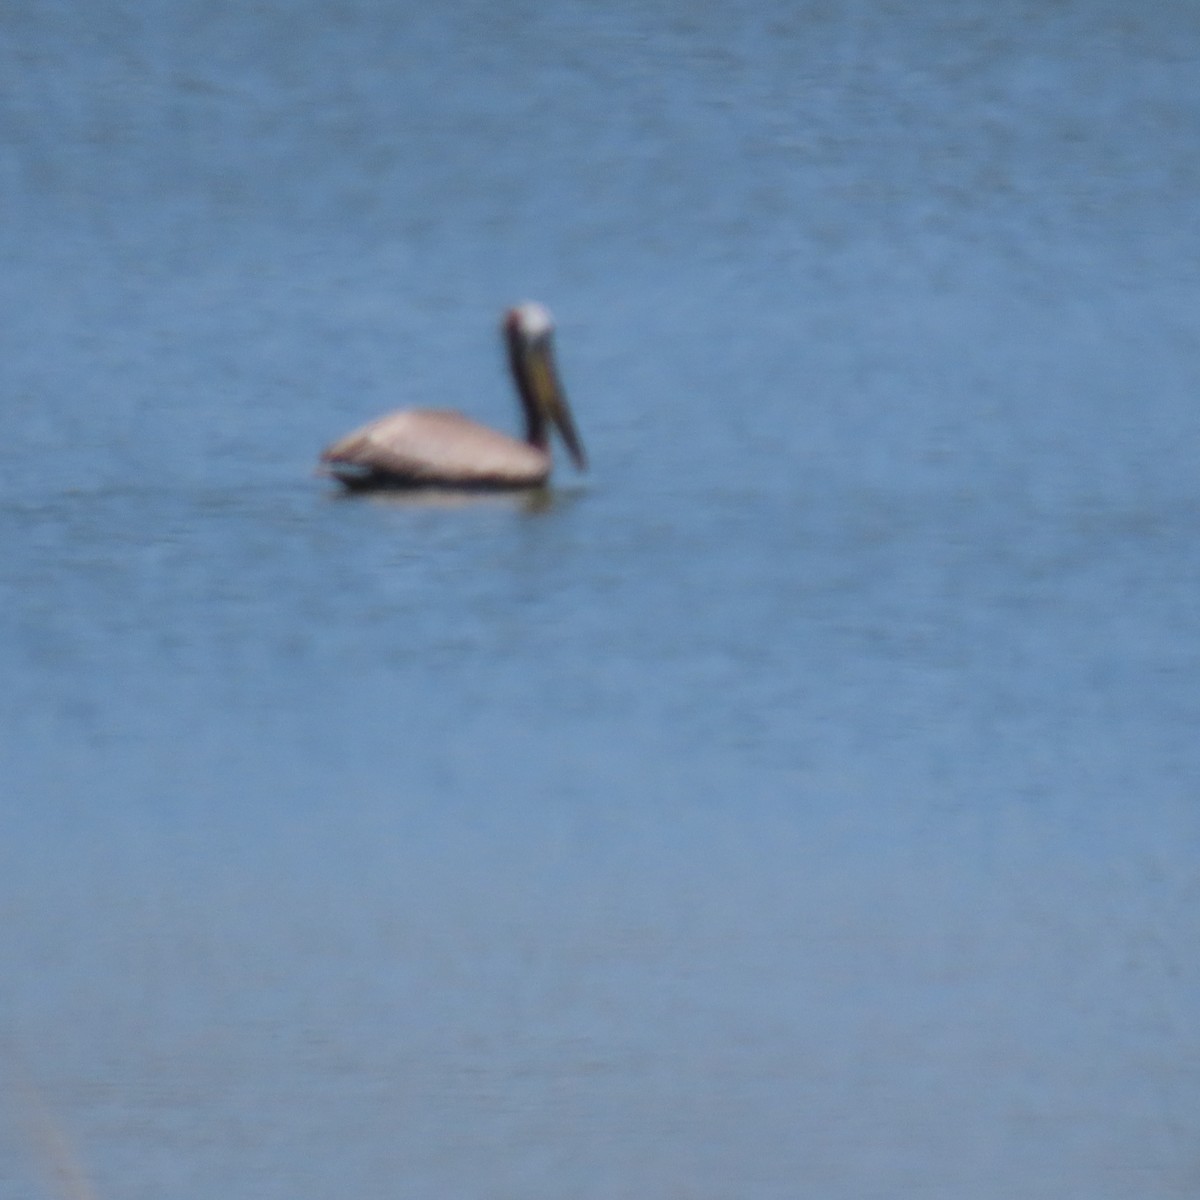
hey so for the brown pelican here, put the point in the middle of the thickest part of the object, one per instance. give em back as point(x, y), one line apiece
point(424, 447)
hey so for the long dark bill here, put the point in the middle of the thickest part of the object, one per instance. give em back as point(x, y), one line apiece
point(546, 393)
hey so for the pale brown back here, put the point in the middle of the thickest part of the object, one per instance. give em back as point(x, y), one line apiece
point(433, 446)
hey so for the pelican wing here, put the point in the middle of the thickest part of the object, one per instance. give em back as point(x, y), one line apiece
point(435, 446)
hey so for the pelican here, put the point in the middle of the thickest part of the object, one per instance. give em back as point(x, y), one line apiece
point(428, 447)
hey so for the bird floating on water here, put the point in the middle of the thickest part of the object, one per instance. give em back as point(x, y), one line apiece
point(424, 447)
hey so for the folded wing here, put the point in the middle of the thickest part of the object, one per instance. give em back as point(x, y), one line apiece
point(432, 446)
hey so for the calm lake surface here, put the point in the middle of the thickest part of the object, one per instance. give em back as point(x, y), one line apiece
point(804, 803)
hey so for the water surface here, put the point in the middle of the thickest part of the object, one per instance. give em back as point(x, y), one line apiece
point(802, 803)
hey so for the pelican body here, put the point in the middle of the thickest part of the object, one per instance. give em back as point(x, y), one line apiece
point(439, 448)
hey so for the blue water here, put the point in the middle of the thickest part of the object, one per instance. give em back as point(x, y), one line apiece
point(806, 802)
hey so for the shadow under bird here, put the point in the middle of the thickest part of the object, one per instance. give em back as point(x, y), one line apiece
point(425, 447)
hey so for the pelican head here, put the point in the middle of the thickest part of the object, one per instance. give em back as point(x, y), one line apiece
point(529, 335)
